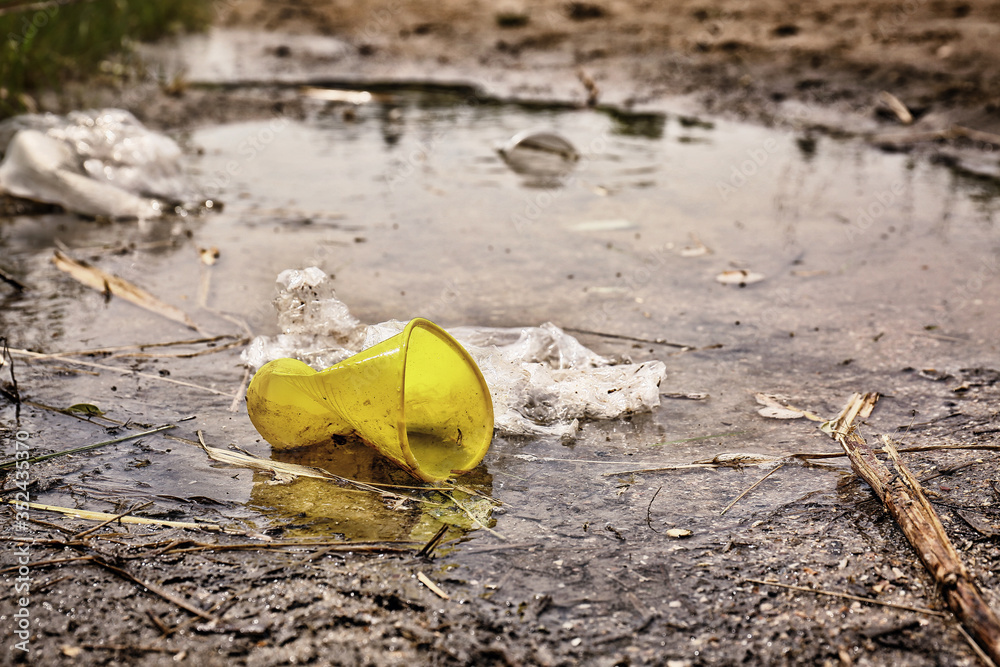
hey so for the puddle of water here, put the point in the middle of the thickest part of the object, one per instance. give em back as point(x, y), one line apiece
point(413, 211)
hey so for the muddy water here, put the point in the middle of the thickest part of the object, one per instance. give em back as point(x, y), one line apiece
point(872, 263)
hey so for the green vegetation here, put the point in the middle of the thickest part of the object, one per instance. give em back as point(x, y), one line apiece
point(45, 44)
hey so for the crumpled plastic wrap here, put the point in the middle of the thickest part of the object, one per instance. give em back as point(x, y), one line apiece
point(99, 163)
point(542, 380)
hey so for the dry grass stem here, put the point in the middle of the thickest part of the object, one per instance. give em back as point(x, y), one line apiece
point(847, 596)
point(99, 280)
point(122, 371)
point(752, 487)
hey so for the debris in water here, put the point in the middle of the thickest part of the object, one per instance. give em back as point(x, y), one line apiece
point(355, 97)
point(904, 499)
point(434, 588)
point(897, 107)
point(539, 154)
point(593, 92)
point(109, 284)
point(776, 407)
point(740, 277)
point(690, 396)
point(696, 249)
point(617, 224)
point(542, 380)
point(417, 398)
point(96, 163)
point(208, 256)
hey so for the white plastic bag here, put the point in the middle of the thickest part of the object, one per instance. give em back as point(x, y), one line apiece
point(100, 163)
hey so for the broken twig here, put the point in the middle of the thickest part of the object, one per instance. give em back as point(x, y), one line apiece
point(905, 501)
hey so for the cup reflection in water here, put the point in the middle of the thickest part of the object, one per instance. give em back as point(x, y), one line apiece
point(417, 398)
point(308, 507)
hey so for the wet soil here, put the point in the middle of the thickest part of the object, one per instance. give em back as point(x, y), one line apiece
point(738, 57)
point(407, 204)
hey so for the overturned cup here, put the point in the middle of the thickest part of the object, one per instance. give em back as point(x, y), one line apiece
point(417, 398)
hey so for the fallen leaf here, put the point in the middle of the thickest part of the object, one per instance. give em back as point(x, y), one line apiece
point(695, 251)
point(698, 248)
point(85, 409)
point(691, 396)
point(106, 283)
point(775, 409)
point(739, 277)
point(209, 256)
point(602, 225)
point(897, 107)
point(779, 413)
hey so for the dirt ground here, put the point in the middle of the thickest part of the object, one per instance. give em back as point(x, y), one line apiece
point(939, 58)
point(581, 589)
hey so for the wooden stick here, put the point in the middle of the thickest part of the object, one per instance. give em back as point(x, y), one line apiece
point(905, 501)
point(434, 588)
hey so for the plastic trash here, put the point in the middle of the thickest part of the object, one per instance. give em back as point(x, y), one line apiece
point(539, 154)
point(97, 163)
point(541, 379)
point(417, 398)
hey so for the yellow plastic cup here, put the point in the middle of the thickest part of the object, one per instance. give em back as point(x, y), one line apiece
point(417, 398)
